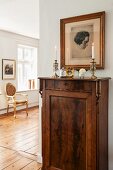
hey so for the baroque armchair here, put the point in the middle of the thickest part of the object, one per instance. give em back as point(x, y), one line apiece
point(15, 99)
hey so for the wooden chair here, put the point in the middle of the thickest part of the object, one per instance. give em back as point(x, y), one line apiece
point(15, 99)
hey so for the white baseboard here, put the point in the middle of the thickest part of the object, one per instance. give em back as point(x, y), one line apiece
point(4, 110)
point(39, 158)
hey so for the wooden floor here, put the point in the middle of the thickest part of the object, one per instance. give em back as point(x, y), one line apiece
point(19, 141)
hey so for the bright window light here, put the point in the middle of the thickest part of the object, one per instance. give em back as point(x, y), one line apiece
point(27, 68)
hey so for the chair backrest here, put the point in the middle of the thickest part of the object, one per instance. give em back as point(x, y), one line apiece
point(10, 89)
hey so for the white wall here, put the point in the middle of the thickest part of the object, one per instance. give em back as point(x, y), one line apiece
point(8, 50)
point(20, 16)
point(50, 14)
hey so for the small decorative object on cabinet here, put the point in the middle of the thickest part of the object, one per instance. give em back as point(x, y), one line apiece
point(70, 72)
point(82, 72)
point(62, 72)
point(55, 69)
point(93, 68)
point(74, 123)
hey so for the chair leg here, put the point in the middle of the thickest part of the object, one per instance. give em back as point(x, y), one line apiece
point(27, 108)
point(14, 111)
point(7, 109)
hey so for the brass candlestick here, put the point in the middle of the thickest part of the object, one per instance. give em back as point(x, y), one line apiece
point(55, 69)
point(93, 68)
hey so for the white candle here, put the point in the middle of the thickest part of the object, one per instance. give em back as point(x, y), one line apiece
point(55, 52)
point(93, 56)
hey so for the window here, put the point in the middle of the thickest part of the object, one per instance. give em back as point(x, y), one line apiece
point(27, 67)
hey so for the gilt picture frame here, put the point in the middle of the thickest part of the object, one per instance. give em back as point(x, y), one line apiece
point(77, 34)
point(8, 69)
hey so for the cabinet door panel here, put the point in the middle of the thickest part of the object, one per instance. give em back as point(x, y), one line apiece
point(68, 129)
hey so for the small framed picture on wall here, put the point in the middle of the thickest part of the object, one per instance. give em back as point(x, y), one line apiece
point(8, 69)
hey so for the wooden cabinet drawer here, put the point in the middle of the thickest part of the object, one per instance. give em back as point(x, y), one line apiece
point(70, 85)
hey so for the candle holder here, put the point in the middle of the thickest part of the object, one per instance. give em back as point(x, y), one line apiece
point(55, 69)
point(93, 68)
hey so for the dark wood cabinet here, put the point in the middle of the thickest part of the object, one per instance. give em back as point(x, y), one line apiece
point(74, 123)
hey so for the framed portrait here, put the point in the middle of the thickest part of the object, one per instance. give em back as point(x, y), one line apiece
point(8, 69)
point(81, 38)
